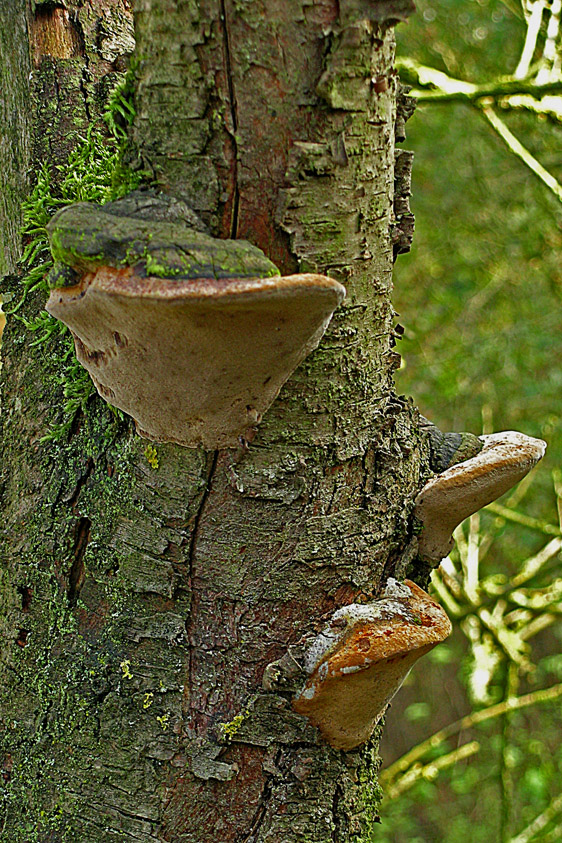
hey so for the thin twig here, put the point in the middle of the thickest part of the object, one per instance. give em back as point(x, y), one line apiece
point(461, 544)
point(524, 520)
point(539, 822)
point(534, 563)
point(467, 722)
point(453, 608)
point(548, 106)
point(557, 483)
point(539, 600)
point(506, 778)
point(431, 770)
point(535, 626)
point(519, 150)
point(546, 72)
point(450, 577)
point(534, 21)
point(520, 490)
point(509, 640)
point(436, 86)
point(472, 560)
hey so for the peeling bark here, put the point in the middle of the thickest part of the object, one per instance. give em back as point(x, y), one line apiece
point(154, 598)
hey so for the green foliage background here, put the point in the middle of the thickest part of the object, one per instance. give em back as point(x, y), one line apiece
point(480, 299)
point(480, 292)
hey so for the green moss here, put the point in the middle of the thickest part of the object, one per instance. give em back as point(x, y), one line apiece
point(93, 173)
point(120, 111)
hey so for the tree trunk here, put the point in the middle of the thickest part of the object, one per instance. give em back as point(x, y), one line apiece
point(144, 592)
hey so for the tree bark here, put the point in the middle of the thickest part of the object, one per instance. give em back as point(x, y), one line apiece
point(143, 597)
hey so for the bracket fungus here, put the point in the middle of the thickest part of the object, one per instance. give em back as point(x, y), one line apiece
point(191, 335)
point(447, 449)
point(464, 488)
point(360, 660)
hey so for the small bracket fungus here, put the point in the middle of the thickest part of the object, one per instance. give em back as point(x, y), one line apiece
point(192, 336)
point(447, 449)
point(464, 488)
point(360, 660)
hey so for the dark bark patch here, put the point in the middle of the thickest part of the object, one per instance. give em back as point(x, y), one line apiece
point(7, 766)
point(21, 640)
point(26, 593)
point(405, 107)
point(80, 482)
point(389, 12)
point(77, 572)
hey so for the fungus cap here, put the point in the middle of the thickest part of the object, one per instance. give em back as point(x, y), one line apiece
point(193, 361)
point(450, 497)
point(360, 660)
point(192, 335)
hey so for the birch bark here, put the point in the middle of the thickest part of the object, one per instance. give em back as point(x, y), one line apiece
point(142, 604)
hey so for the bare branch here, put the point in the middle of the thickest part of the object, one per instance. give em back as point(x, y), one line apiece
point(521, 152)
point(524, 520)
point(430, 771)
point(438, 87)
point(534, 21)
point(540, 822)
point(514, 704)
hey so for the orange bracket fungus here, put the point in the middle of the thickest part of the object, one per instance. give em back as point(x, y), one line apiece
point(464, 488)
point(357, 664)
point(191, 335)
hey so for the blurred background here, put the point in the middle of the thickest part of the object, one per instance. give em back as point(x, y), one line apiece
point(472, 749)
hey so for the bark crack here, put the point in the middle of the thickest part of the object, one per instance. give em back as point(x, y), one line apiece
point(335, 814)
point(260, 814)
point(77, 572)
point(85, 77)
point(191, 555)
point(104, 826)
point(82, 480)
point(84, 92)
point(234, 117)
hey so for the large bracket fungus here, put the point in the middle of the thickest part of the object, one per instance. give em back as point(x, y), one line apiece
point(360, 660)
point(501, 460)
point(191, 335)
